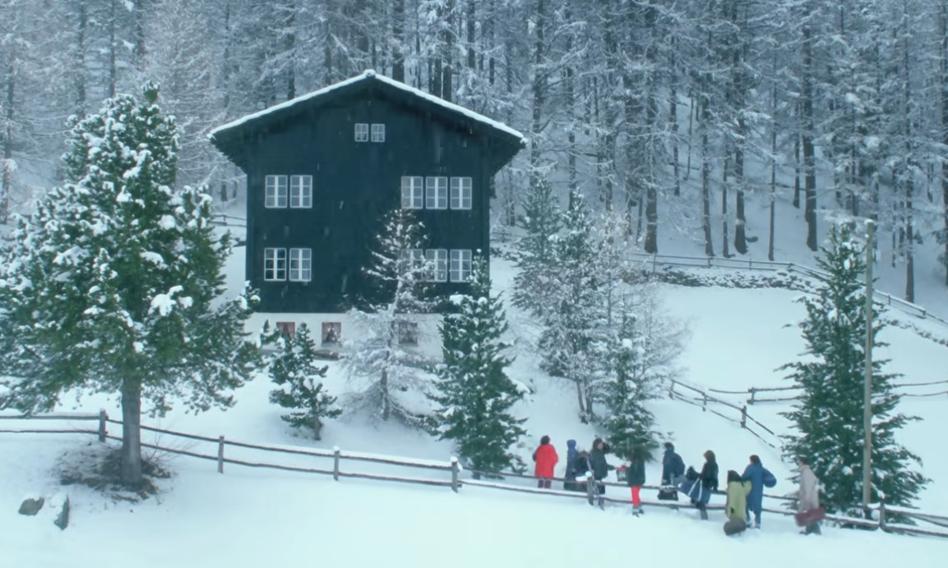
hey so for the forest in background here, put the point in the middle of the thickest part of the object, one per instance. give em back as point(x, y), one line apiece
point(680, 107)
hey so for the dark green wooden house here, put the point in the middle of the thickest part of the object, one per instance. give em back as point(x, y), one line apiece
point(322, 170)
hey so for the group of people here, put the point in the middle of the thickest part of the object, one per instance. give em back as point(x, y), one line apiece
point(744, 492)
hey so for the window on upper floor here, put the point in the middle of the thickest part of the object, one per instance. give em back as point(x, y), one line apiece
point(361, 132)
point(378, 132)
point(436, 192)
point(413, 192)
point(460, 268)
point(301, 264)
point(437, 264)
point(275, 192)
point(301, 192)
point(274, 264)
point(461, 192)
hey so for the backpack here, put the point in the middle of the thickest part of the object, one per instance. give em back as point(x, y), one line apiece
point(769, 479)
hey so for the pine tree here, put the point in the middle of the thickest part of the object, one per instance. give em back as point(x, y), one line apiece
point(474, 393)
point(398, 274)
point(574, 318)
point(542, 221)
point(294, 371)
point(829, 416)
point(114, 284)
point(639, 354)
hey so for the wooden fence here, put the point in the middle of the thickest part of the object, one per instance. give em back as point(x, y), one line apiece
point(903, 389)
point(739, 415)
point(453, 475)
point(772, 266)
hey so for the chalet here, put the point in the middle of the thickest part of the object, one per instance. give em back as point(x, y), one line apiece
point(322, 169)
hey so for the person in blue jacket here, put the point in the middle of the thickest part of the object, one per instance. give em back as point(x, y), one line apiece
point(673, 467)
point(755, 473)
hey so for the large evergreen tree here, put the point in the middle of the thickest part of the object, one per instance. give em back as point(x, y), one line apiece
point(638, 357)
point(399, 274)
point(474, 393)
point(536, 249)
point(574, 319)
point(828, 418)
point(294, 371)
point(113, 285)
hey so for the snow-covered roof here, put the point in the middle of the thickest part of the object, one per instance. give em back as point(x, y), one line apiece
point(370, 75)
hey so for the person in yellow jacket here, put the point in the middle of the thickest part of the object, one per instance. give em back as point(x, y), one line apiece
point(735, 508)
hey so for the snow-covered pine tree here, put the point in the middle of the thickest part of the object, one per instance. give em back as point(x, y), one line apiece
point(574, 318)
point(541, 221)
point(114, 284)
point(474, 394)
point(828, 418)
point(639, 355)
point(399, 275)
point(294, 371)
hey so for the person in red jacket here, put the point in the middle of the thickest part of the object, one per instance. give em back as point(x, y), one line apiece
point(546, 458)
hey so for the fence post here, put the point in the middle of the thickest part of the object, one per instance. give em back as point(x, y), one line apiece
point(704, 401)
point(671, 389)
point(882, 514)
point(102, 431)
point(455, 470)
point(590, 488)
point(752, 392)
point(654, 260)
point(744, 416)
point(220, 454)
point(709, 262)
point(335, 463)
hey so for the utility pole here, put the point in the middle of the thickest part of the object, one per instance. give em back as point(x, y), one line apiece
point(867, 395)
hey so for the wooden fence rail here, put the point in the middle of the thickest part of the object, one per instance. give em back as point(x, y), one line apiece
point(455, 482)
point(773, 266)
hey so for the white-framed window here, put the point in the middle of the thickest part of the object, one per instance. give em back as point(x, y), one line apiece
point(461, 191)
point(436, 192)
point(301, 192)
point(407, 332)
point(301, 264)
point(361, 132)
point(378, 132)
point(460, 268)
point(275, 192)
point(286, 328)
point(437, 264)
point(413, 259)
point(332, 332)
point(274, 264)
point(413, 192)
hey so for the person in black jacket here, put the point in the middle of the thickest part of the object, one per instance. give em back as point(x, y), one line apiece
point(709, 482)
point(635, 477)
point(673, 467)
point(597, 462)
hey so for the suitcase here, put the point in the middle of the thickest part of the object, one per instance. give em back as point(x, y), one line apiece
point(667, 493)
point(735, 526)
point(810, 516)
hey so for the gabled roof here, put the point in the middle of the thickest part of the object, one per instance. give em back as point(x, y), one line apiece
point(222, 135)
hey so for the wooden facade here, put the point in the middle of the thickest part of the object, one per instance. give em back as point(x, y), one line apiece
point(354, 183)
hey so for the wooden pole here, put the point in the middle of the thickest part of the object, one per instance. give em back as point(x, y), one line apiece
point(590, 488)
point(744, 416)
point(867, 394)
point(103, 417)
point(455, 471)
point(335, 463)
point(220, 454)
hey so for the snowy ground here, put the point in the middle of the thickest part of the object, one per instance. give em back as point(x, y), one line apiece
point(250, 517)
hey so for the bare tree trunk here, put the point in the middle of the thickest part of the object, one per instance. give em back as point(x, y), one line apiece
point(773, 158)
point(943, 28)
point(82, 20)
point(113, 78)
point(705, 176)
point(673, 114)
point(398, 34)
point(471, 38)
point(447, 70)
point(7, 167)
point(131, 463)
point(138, 51)
point(809, 158)
point(291, 50)
point(725, 251)
point(539, 92)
